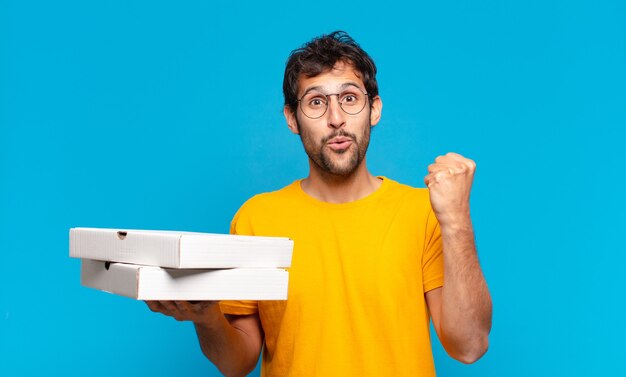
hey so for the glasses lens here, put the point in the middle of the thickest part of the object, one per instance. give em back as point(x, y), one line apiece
point(314, 104)
point(352, 101)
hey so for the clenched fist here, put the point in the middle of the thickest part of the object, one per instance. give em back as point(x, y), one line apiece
point(449, 183)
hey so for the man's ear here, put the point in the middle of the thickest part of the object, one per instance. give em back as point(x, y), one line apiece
point(376, 112)
point(290, 117)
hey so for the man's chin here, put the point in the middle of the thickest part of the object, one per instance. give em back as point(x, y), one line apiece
point(340, 168)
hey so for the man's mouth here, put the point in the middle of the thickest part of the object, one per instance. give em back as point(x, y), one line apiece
point(339, 143)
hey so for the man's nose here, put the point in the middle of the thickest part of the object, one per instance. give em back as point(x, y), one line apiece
point(336, 115)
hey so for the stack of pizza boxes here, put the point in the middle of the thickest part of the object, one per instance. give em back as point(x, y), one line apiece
point(171, 265)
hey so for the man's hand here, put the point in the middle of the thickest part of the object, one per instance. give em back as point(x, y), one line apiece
point(449, 182)
point(199, 312)
point(233, 344)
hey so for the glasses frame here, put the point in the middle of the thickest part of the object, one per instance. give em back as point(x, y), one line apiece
point(367, 96)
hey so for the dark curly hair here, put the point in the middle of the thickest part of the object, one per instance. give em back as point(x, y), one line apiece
point(321, 54)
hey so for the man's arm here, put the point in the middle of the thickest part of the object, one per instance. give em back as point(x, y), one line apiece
point(232, 343)
point(461, 309)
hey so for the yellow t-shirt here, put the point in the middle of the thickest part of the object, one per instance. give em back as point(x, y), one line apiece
point(359, 272)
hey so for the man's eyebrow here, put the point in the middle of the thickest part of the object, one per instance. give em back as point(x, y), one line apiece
point(316, 88)
point(341, 87)
point(347, 84)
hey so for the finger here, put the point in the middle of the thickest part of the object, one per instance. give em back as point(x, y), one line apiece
point(155, 306)
point(176, 309)
point(432, 179)
point(454, 155)
point(441, 159)
point(457, 168)
point(469, 163)
point(451, 168)
point(433, 168)
point(428, 180)
point(170, 308)
point(202, 305)
point(182, 306)
point(449, 158)
point(189, 311)
point(189, 307)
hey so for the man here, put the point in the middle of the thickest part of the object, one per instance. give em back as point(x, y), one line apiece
point(373, 260)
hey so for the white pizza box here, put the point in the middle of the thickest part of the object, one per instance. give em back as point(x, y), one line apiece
point(175, 249)
point(155, 283)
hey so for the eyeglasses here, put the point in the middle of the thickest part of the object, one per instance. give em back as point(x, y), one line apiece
point(314, 104)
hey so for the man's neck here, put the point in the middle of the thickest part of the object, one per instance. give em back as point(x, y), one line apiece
point(337, 189)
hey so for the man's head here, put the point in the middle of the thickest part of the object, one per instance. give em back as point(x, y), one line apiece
point(331, 101)
point(321, 54)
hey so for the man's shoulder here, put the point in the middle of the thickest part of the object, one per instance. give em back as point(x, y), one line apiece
point(271, 198)
point(259, 214)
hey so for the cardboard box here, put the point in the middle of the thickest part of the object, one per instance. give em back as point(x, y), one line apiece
point(180, 249)
point(154, 283)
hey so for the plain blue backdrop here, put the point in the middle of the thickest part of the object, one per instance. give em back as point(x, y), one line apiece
point(168, 115)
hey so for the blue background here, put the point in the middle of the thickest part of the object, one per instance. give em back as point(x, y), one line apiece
point(155, 115)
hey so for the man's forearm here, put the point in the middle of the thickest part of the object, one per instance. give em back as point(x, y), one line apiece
point(466, 303)
point(233, 352)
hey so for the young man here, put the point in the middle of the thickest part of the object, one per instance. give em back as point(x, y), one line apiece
point(373, 260)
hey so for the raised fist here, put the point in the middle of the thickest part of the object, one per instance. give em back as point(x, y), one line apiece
point(449, 183)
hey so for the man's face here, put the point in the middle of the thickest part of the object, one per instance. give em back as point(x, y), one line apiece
point(336, 142)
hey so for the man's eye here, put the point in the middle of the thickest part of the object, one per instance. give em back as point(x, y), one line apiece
point(317, 102)
point(348, 98)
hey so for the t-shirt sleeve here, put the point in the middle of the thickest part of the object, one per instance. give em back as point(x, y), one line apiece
point(240, 225)
point(432, 258)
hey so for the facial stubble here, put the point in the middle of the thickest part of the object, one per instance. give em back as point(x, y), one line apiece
point(322, 156)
